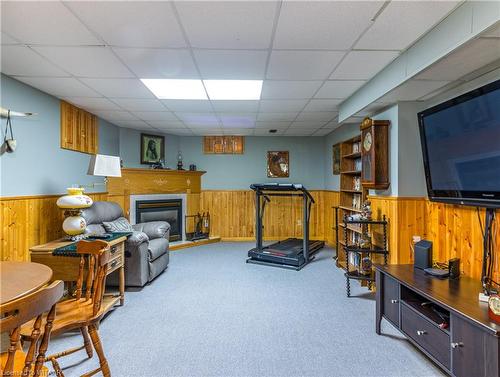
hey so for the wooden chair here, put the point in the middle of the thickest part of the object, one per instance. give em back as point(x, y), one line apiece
point(84, 311)
point(13, 315)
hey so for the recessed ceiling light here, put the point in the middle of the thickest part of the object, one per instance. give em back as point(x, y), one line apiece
point(233, 89)
point(176, 89)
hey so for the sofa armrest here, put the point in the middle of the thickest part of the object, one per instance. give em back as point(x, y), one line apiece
point(137, 238)
point(154, 229)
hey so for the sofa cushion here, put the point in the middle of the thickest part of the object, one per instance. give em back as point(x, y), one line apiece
point(157, 248)
point(154, 229)
point(102, 211)
point(121, 224)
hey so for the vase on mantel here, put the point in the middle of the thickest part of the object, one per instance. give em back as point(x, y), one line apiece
point(73, 203)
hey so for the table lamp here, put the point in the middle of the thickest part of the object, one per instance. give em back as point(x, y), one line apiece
point(102, 165)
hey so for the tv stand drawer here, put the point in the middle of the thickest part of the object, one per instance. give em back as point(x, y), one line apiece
point(431, 338)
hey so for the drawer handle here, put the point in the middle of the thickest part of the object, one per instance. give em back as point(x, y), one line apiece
point(394, 301)
point(114, 263)
point(456, 344)
point(421, 332)
point(113, 249)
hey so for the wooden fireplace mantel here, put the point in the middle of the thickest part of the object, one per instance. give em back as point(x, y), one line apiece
point(155, 181)
point(136, 181)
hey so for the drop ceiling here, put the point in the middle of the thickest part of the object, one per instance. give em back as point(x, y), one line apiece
point(311, 56)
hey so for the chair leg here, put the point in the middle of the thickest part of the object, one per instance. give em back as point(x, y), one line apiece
point(57, 368)
point(96, 341)
point(86, 341)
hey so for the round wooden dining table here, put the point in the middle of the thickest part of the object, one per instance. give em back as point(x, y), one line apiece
point(18, 279)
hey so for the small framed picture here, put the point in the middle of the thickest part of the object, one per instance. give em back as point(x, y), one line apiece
point(152, 148)
point(336, 159)
point(278, 164)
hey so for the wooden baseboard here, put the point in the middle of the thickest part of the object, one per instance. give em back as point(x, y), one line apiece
point(186, 245)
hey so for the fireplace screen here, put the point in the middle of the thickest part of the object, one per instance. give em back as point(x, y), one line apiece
point(162, 210)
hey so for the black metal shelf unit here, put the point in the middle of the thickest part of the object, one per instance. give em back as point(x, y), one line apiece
point(375, 249)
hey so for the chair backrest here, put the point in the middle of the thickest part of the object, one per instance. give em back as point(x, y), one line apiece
point(16, 313)
point(91, 283)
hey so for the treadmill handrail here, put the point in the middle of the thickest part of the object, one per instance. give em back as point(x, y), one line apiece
point(260, 187)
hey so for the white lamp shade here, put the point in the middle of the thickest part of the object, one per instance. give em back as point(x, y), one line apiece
point(104, 166)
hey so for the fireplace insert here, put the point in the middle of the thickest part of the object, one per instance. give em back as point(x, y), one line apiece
point(169, 210)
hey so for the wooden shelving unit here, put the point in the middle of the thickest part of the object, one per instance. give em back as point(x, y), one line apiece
point(352, 193)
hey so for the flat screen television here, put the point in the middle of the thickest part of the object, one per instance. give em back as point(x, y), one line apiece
point(461, 148)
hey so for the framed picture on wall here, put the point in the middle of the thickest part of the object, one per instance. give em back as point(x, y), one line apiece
point(152, 148)
point(278, 164)
point(336, 159)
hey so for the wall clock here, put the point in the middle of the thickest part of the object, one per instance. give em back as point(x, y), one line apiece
point(375, 153)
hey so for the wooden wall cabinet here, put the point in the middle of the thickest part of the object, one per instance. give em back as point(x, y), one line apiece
point(223, 144)
point(78, 129)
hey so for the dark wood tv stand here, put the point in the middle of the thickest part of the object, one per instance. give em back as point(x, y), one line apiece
point(469, 346)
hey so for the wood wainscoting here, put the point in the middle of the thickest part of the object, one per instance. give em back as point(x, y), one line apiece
point(26, 221)
point(232, 215)
point(454, 231)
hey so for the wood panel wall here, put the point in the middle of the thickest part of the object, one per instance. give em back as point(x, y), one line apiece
point(28, 221)
point(232, 215)
point(454, 231)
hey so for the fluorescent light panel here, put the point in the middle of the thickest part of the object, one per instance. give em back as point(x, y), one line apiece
point(195, 89)
point(233, 89)
point(176, 89)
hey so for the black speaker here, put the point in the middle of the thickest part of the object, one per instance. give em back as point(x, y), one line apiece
point(454, 268)
point(423, 254)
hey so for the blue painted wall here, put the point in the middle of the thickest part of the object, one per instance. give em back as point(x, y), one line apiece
point(234, 172)
point(39, 165)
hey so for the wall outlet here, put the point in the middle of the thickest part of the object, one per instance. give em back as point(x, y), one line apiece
point(416, 239)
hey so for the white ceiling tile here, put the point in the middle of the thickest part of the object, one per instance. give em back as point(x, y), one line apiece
point(135, 124)
point(402, 23)
point(265, 132)
point(302, 65)
point(44, 22)
point(238, 24)
point(59, 86)
point(322, 132)
point(90, 103)
point(151, 116)
point(119, 88)
point(303, 124)
point(323, 105)
point(281, 105)
point(131, 23)
point(235, 64)
point(167, 124)
point(178, 131)
point(115, 115)
point(22, 61)
point(199, 119)
point(236, 106)
point(464, 60)
point(334, 124)
point(139, 104)
point(338, 88)
point(299, 132)
point(331, 25)
point(317, 115)
point(207, 132)
point(237, 120)
point(279, 117)
point(363, 65)
point(7, 39)
point(272, 125)
point(189, 106)
point(86, 61)
point(238, 131)
point(289, 89)
point(148, 63)
point(412, 90)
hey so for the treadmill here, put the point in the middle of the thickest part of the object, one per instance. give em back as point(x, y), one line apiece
point(292, 253)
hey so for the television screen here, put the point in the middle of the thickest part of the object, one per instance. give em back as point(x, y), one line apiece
point(461, 148)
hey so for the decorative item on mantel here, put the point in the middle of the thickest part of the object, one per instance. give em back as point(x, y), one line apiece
point(74, 224)
point(179, 161)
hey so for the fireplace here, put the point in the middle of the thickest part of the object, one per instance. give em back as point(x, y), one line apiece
point(169, 210)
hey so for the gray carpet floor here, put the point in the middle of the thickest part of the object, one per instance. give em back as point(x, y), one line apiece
point(211, 314)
